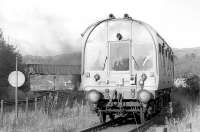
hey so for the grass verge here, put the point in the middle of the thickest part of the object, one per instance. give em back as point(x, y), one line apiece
point(58, 120)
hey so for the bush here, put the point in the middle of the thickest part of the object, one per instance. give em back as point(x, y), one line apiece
point(192, 82)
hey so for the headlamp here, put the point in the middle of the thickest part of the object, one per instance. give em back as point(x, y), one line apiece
point(93, 96)
point(144, 96)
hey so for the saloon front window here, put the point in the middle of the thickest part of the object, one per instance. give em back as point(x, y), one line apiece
point(142, 48)
point(96, 50)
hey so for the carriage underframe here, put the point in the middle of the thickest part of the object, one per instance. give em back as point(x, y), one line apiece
point(132, 107)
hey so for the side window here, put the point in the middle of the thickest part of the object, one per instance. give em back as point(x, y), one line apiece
point(172, 58)
point(160, 48)
point(163, 55)
point(166, 57)
point(169, 54)
point(160, 55)
point(166, 61)
point(163, 48)
point(172, 61)
point(172, 66)
point(169, 58)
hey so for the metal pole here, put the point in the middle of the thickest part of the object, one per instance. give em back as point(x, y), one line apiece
point(54, 82)
point(26, 109)
point(189, 127)
point(1, 112)
point(16, 87)
point(35, 104)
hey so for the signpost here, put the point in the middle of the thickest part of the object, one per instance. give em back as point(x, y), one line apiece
point(13, 76)
point(16, 79)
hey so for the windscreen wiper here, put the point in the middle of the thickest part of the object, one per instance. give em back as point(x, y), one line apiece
point(104, 65)
point(135, 61)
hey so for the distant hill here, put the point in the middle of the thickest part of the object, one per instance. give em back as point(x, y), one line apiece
point(187, 60)
point(63, 59)
point(187, 51)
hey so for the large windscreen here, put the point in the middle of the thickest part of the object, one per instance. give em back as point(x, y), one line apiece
point(142, 47)
point(96, 50)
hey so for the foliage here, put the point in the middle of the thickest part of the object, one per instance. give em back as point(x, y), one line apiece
point(191, 117)
point(8, 55)
point(185, 106)
point(192, 80)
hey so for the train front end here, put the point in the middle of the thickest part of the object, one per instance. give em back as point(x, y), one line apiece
point(119, 66)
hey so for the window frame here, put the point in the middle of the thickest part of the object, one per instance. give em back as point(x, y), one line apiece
point(109, 55)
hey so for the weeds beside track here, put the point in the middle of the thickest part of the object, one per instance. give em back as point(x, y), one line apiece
point(118, 121)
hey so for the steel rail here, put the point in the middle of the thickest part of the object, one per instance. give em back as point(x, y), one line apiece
point(147, 124)
point(102, 126)
point(139, 128)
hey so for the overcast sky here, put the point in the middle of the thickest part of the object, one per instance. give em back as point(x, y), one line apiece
point(49, 27)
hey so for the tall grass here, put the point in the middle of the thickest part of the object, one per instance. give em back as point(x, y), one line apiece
point(64, 119)
point(186, 114)
point(192, 117)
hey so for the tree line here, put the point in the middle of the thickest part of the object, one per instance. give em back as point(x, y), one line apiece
point(8, 55)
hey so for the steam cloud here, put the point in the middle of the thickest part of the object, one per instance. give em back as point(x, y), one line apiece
point(37, 32)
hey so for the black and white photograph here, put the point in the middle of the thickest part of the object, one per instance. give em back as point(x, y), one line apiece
point(99, 66)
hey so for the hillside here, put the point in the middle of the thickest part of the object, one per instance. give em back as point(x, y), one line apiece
point(187, 51)
point(63, 59)
point(186, 60)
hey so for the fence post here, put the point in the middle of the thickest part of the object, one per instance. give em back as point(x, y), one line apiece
point(2, 112)
point(65, 105)
point(165, 129)
point(55, 101)
point(82, 107)
point(189, 127)
point(26, 109)
point(50, 103)
point(161, 129)
point(35, 104)
point(78, 107)
point(44, 103)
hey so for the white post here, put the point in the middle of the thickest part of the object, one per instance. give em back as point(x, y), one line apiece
point(1, 112)
point(54, 82)
point(16, 88)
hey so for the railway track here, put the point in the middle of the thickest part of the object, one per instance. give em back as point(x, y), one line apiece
point(136, 127)
point(103, 126)
point(145, 126)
